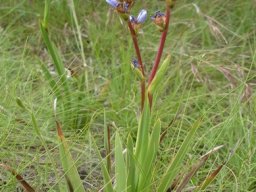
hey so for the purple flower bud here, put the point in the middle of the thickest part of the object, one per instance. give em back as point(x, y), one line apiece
point(157, 14)
point(132, 19)
point(135, 63)
point(113, 3)
point(126, 6)
point(142, 16)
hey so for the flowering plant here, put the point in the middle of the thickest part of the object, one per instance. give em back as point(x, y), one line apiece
point(135, 165)
point(134, 169)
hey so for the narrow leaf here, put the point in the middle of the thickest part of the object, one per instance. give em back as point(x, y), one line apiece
point(173, 169)
point(159, 77)
point(68, 163)
point(188, 176)
point(210, 178)
point(20, 103)
point(196, 167)
point(120, 168)
point(107, 145)
point(108, 187)
point(58, 64)
point(130, 166)
point(148, 162)
point(52, 82)
point(46, 13)
point(143, 133)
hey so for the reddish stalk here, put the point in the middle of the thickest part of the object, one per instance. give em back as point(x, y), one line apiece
point(161, 46)
point(137, 50)
point(159, 52)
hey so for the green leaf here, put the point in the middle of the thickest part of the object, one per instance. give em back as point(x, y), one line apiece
point(143, 134)
point(46, 13)
point(20, 103)
point(146, 176)
point(55, 88)
point(108, 187)
point(58, 64)
point(159, 77)
point(173, 169)
point(131, 183)
point(68, 163)
point(120, 168)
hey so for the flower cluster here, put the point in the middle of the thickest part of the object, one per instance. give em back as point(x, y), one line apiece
point(141, 17)
point(137, 21)
point(121, 6)
point(124, 6)
point(159, 19)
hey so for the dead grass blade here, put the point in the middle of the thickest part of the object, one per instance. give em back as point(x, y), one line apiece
point(215, 30)
point(23, 183)
point(196, 73)
point(229, 76)
point(191, 173)
point(196, 167)
point(247, 93)
point(212, 151)
point(210, 178)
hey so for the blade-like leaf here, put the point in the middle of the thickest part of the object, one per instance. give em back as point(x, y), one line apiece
point(23, 183)
point(107, 145)
point(58, 64)
point(108, 187)
point(68, 163)
point(55, 88)
point(46, 13)
point(130, 166)
point(196, 167)
point(120, 168)
point(193, 170)
point(210, 178)
point(157, 81)
point(143, 133)
point(148, 165)
point(173, 169)
point(141, 145)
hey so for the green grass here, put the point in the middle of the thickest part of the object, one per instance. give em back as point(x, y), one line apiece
point(223, 35)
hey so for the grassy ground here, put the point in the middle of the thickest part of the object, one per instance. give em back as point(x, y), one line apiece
point(212, 44)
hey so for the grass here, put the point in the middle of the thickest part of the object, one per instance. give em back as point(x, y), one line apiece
point(212, 73)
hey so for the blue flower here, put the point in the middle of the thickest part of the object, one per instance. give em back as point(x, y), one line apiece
point(113, 3)
point(141, 17)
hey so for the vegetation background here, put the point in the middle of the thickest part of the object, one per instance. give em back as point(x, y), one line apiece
point(212, 44)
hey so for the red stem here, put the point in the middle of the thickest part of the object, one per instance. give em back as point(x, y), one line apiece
point(161, 46)
point(136, 46)
point(137, 50)
point(159, 52)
